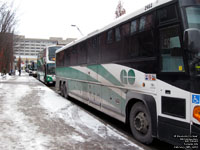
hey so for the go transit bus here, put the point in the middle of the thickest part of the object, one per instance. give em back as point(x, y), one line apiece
point(46, 64)
point(143, 69)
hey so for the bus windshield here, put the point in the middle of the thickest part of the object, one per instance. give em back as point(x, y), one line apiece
point(51, 68)
point(193, 16)
point(193, 20)
point(52, 51)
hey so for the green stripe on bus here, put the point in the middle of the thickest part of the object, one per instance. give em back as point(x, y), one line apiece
point(103, 92)
point(73, 73)
point(100, 70)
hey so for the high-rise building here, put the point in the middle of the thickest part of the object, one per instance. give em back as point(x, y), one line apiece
point(28, 48)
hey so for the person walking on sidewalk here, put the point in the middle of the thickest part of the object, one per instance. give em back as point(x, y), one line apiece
point(19, 71)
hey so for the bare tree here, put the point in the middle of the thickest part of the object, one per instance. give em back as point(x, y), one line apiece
point(7, 26)
point(119, 10)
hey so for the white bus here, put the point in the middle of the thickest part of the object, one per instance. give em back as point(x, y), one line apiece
point(143, 69)
point(46, 64)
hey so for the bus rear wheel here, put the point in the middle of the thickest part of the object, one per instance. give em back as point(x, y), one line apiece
point(61, 89)
point(65, 91)
point(140, 123)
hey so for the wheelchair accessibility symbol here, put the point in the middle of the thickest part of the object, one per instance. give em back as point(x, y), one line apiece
point(196, 99)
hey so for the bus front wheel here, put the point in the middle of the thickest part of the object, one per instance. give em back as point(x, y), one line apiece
point(140, 123)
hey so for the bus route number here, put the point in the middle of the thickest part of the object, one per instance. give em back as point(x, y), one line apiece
point(148, 6)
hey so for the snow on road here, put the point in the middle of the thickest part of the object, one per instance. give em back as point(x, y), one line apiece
point(33, 117)
point(16, 132)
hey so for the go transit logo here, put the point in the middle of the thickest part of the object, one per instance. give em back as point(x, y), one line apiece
point(127, 77)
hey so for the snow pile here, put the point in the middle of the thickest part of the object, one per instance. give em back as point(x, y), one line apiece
point(34, 117)
point(77, 118)
point(4, 78)
point(16, 132)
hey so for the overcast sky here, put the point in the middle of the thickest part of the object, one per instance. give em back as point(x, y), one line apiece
point(53, 18)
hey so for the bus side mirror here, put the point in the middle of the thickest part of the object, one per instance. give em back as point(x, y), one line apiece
point(192, 40)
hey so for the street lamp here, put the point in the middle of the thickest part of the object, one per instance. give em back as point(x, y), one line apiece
point(77, 29)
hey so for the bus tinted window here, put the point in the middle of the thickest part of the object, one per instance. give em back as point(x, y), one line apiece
point(167, 14)
point(94, 42)
point(142, 23)
point(146, 22)
point(110, 36)
point(126, 29)
point(59, 59)
point(146, 48)
point(82, 54)
point(117, 34)
point(92, 50)
point(73, 57)
point(67, 58)
point(133, 26)
point(193, 15)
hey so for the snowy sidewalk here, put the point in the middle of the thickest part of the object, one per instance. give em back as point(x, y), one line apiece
point(33, 117)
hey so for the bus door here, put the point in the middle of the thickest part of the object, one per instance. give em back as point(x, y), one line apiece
point(173, 101)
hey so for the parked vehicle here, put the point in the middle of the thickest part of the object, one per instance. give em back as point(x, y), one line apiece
point(142, 69)
point(46, 64)
point(33, 69)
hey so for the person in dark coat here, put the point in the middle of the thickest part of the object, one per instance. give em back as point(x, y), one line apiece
point(19, 71)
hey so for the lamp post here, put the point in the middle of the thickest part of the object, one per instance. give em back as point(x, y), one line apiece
point(77, 29)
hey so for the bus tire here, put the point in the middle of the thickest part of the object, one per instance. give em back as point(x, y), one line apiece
point(61, 89)
point(140, 123)
point(38, 77)
point(65, 91)
point(46, 82)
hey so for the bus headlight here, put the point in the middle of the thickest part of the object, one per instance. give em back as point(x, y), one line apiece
point(196, 113)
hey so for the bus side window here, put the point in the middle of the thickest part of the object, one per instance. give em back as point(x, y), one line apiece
point(134, 26)
point(117, 34)
point(82, 53)
point(145, 36)
point(167, 14)
point(67, 58)
point(73, 57)
point(59, 58)
point(171, 52)
point(92, 50)
point(110, 36)
point(125, 29)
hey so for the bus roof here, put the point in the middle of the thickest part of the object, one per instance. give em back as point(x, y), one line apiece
point(116, 22)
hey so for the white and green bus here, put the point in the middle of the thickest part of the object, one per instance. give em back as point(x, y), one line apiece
point(143, 69)
point(46, 64)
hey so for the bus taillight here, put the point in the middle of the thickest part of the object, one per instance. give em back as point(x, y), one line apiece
point(196, 113)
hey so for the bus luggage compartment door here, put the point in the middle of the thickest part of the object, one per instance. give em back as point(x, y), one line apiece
point(94, 90)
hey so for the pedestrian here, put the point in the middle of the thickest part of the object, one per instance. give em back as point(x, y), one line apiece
point(4, 71)
point(19, 71)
